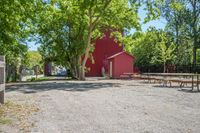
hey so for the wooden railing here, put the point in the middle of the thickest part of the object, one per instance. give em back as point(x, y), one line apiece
point(2, 78)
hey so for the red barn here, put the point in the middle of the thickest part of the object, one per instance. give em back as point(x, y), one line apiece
point(107, 51)
point(104, 48)
point(120, 64)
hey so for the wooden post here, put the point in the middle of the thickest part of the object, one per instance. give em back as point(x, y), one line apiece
point(2, 79)
point(192, 82)
point(36, 68)
point(197, 82)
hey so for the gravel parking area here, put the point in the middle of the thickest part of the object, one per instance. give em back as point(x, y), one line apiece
point(109, 106)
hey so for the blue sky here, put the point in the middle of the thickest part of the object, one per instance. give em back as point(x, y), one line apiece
point(159, 24)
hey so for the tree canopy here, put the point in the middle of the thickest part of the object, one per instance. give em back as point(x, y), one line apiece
point(183, 21)
point(67, 30)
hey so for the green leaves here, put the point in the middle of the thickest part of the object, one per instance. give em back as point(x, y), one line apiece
point(15, 17)
point(34, 58)
point(183, 22)
point(151, 47)
point(163, 53)
point(69, 29)
point(176, 6)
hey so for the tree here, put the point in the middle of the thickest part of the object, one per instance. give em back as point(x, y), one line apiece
point(193, 25)
point(151, 48)
point(81, 22)
point(198, 56)
point(163, 53)
point(14, 27)
point(75, 36)
point(61, 34)
point(142, 46)
point(34, 59)
point(106, 14)
point(173, 11)
point(15, 21)
point(183, 17)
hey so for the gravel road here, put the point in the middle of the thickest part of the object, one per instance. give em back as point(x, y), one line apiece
point(109, 106)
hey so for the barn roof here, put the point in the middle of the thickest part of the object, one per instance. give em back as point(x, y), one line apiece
point(117, 54)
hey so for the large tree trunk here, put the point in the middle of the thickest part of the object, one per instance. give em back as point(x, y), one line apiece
point(82, 73)
point(194, 26)
point(194, 58)
point(82, 68)
point(92, 24)
point(177, 29)
point(87, 50)
point(74, 66)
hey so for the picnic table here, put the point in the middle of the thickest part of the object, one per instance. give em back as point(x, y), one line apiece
point(183, 78)
point(128, 74)
point(131, 75)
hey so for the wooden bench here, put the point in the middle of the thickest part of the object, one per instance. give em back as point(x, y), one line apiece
point(169, 78)
point(194, 82)
point(129, 75)
point(170, 81)
point(124, 76)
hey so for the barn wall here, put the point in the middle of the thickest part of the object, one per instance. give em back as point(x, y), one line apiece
point(122, 64)
point(104, 48)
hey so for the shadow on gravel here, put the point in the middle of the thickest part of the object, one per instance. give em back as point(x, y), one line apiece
point(161, 86)
point(189, 91)
point(186, 89)
point(29, 88)
point(135, 85)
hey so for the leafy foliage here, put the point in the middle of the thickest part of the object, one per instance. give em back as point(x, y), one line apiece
point(151, 48)
point(16, 24)
point(143, 46)
point(162, 52)
point(68, 28)
point(14, 28)
point(183, 21)
point(34, 59)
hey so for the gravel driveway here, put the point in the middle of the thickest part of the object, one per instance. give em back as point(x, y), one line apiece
point(109, 106)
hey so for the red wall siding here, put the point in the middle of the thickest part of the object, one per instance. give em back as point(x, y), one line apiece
point(104, 48)
point(122, 64)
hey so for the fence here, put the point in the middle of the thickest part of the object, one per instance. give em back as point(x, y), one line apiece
point(170, 69)
point(188, 69)
point(2, 78)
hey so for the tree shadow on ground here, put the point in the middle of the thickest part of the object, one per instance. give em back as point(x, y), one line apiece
point(65, 86)
point(189, 91)
point(146, 82)
point(161, 86)
point(186, 89)
point(136, 85)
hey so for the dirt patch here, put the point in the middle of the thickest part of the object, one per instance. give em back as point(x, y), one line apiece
point(16, 115)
